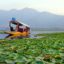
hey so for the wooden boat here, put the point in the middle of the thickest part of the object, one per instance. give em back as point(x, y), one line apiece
point(18, 30)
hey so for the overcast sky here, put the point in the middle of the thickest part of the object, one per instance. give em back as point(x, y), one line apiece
point(54, 6)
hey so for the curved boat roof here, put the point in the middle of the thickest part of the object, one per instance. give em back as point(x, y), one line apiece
point(19, 22)
point(24, 24)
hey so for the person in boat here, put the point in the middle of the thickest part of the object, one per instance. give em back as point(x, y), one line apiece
point(19, 27)
point(14, 21)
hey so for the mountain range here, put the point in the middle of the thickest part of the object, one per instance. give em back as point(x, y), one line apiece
point(33, 18)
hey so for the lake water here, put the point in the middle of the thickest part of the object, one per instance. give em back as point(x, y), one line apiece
point(2, 36)
point(38, 32)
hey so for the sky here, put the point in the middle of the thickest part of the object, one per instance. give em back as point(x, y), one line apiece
point(53, 6)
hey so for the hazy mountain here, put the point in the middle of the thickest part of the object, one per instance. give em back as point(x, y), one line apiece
point(33, 18)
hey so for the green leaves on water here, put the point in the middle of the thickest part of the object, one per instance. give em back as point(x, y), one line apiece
point(49, 50)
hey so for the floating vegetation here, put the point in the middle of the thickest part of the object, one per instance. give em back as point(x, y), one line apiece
point(48, 50)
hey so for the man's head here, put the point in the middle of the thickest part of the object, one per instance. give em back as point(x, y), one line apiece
point(14, 19)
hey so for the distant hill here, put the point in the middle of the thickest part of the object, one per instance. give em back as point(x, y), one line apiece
point(33, 18)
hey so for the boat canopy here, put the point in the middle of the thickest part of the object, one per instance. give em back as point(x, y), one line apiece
point(18, 22)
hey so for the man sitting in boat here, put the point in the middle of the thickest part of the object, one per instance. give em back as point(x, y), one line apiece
point(20, 29)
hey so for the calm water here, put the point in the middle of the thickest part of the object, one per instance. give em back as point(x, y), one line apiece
point(2, 36)
point(39, 32)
